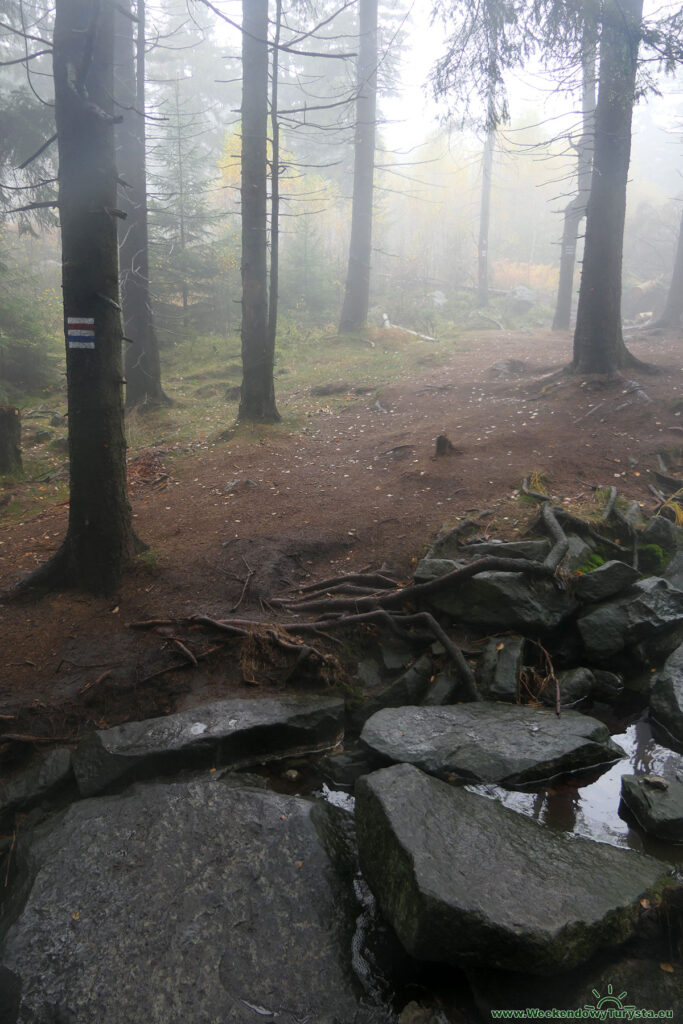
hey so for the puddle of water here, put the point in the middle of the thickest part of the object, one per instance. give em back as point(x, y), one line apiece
point(589, 807)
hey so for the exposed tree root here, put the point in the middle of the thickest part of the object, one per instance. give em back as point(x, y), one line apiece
point(389, 604)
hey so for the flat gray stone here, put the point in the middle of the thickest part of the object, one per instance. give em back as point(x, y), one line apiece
point(604, 582)
point(505, 600)
point(237, 733)
point(666, 697)
point(653, 606)
point(464, 880)
point(208, 901)
point(36, 782)
point(658, 811)
point(499, 668)
point(503, 743)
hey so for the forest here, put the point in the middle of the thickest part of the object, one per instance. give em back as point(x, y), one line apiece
point(341, 511)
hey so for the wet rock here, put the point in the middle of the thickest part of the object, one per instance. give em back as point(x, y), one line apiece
point(636, 984)
point(578, 553)
point(37, 782)
point(576, 684)
point(413, 1013)
point(606, 685)
point(10, 996)
point(652, 606)
point(499, 668)
point(464, 880)
point(604, 582)
point(342, 770)
point(502, 743)
point(208, 900)
point(409, 688)
point(674, 571)
point(666, 697)
point(237, 733)
point(662, 533)
point(443, 689)
point(658, 811)
point(506, 600)
point(533, 550)
point(432, 568)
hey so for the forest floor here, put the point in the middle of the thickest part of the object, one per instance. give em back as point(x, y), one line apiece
point(348, 480)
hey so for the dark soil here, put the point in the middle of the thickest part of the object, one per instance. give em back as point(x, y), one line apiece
point(359, 486)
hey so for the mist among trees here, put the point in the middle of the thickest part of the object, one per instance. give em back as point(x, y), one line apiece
point(259, 182)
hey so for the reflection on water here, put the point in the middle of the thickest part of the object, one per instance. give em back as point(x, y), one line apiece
point(589, 805)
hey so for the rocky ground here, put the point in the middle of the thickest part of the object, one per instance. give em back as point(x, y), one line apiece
point(349, 480)
point(144, 880)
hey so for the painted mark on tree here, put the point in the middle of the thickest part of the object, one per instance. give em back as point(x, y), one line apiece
point(80, 331)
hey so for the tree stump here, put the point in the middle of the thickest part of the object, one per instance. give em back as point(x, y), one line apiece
point(10, 440)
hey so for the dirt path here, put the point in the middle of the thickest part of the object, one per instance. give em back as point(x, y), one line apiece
point(358, 485)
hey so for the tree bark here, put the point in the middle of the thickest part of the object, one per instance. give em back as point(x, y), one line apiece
point(274, 182)
point(485, 219)
point(354, 313)
point(10, 440)
point(576, 209)
point(673, 308)
point(99, 540)
point(143, 369)
point(598, 340)
point(257, 400)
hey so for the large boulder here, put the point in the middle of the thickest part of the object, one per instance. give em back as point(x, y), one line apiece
point(203, 901)
point(464, 880)
point(486, 742)
point(604, 582)
point(666, 699)
point(237, 732)
point(652, 607)
point(500, 600)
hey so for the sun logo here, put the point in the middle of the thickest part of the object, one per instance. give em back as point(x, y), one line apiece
point(608, 1001)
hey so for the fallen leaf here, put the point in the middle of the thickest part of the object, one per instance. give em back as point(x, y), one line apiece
point(667, 967)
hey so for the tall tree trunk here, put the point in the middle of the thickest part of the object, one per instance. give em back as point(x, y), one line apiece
point(673, 308)
point(485, 219)
point(99, 540)
point(576, 209)
point(257, 401)
point(598, 340)
point(274, 182)
point(354, 313)
point(143, 369)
